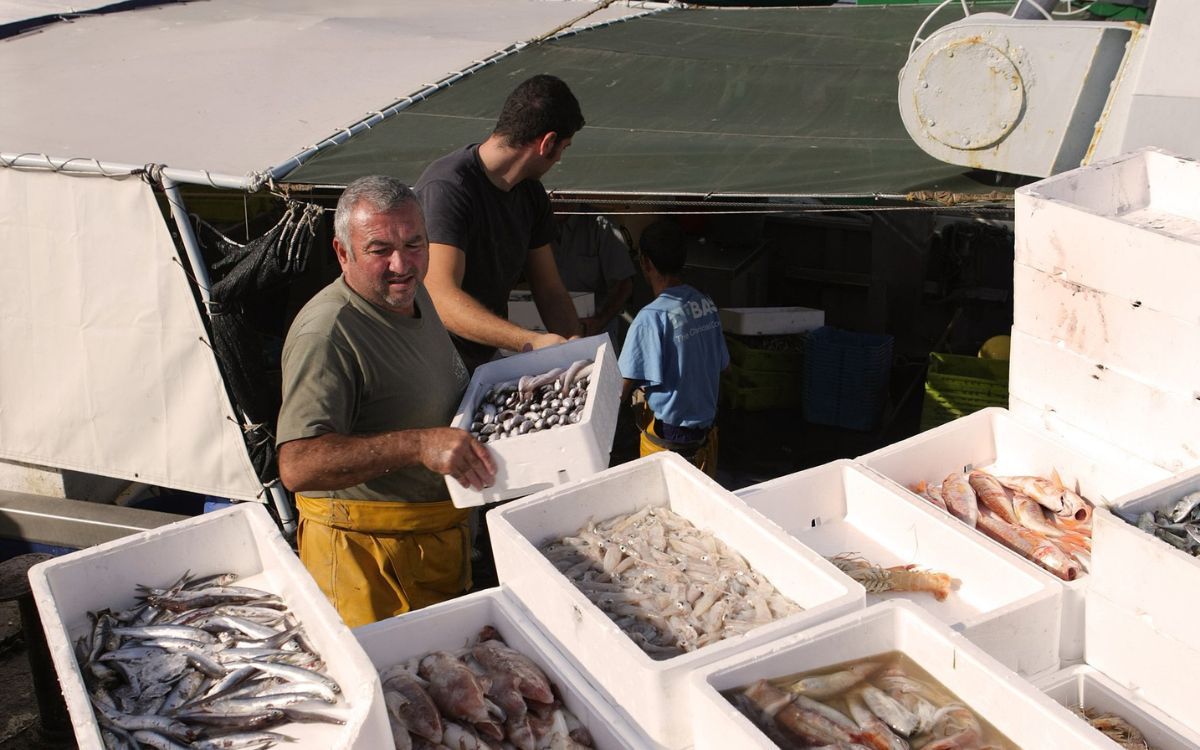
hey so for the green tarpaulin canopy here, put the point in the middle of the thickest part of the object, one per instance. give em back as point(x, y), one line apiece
point(694, 101)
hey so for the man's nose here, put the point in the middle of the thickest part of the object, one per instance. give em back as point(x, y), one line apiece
point(399, 261)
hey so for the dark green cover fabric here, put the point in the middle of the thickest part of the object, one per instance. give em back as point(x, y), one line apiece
point(798, 101)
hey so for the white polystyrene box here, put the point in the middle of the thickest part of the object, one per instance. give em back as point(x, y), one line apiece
point(1126, 645)
point(1013, 706)
point(652, 691)
point(1086, 686)
point(241, 539)
point(770, 321)
point(1129, 226)
point(451, 625)
point(522, 310)
point(1152, 346)
point(538, 460)
point(1158, 424)
point(1144, 574)
point(993, 439)
point(1001, 606)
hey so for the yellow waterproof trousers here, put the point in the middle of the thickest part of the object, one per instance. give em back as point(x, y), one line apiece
point(703, 457)
point(374, 560)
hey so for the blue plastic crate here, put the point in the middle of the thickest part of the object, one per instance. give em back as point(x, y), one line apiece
point(846, 377)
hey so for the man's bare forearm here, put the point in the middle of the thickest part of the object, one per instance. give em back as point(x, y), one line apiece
point(335, 462)
point(466, 317)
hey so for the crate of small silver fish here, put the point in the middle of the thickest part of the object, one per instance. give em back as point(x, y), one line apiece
point(1146, 555)
point(477, 672)
point(207, 633)
point(547, 417)
point(879, 536)
point(888, 678)
point(1115, 711)
point(649, 570)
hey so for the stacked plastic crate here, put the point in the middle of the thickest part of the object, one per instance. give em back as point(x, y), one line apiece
point(766, 355)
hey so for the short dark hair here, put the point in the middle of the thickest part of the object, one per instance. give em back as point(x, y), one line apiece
point(542, 104)
point(663, 244)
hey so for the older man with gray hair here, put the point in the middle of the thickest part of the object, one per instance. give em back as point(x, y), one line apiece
point(370, 379)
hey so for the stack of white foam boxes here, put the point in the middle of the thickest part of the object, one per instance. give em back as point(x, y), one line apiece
point(1106, 348)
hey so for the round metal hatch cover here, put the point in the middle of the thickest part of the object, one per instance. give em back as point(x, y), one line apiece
point(969, 94)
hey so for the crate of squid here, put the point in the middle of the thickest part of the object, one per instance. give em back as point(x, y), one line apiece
point(897, 548)
point(1118, 713)
point(1023, 490)
point(649, 570)
point(547, 417)
point(477, 672)
point(190, 633)
point(890, 676)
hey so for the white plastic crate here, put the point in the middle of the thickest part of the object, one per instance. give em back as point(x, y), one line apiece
point(452, 625)
point(1006, 609)
point(1127, 645)
point(539, 460)
point(1085, 686)
point(1144, 574)
point(1160, 349)
point(522, 310)
point(993, 439)
point(1154, 423)
point(770, 321)
point(1013, 706)
point(1117, 226)
point(241, 539)
point(652, 691)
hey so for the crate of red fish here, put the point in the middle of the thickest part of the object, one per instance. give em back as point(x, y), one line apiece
point(846, 377)
point(477, 672)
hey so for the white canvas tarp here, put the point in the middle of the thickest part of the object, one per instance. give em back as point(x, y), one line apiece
point(104, 362)
point(239, 86)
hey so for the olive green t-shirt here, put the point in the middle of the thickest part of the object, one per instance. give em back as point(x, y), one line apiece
point(352, 368)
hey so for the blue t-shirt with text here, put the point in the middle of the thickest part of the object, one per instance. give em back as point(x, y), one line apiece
point(676, 351)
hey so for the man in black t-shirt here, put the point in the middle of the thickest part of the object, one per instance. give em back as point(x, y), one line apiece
point(489, 222)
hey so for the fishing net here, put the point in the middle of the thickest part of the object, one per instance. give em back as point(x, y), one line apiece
point(240, 274)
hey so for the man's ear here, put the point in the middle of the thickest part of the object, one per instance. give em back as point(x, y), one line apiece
point(546, 144)
point(341, 251)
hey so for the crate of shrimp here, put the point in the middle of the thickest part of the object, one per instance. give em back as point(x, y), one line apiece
point(897, 548)
point(477, 672)
point(1115, 711)
point(649, 570)
point(1021, 489)
point(1151, 553)
point(547, 417)
point(204, 631)
point(890, 676)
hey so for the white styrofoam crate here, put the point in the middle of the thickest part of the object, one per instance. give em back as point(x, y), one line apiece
point(1127, 645)
point(523, 311)
point(1154, 423)
point(241, 539)
point(1088, 687)
point(1152, 346)
point(1014, 707)
point(452, 625)
point(538, 460)
point(652, 691)
point(993, 439)
point(1001, 606)
point(1129, 226)
point(1144, 574)
point(770, 321)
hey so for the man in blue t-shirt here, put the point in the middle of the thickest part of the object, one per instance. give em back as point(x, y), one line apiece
point(675, 352)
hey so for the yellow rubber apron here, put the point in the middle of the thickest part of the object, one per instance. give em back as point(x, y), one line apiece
point(374, 560)
point(702, 455)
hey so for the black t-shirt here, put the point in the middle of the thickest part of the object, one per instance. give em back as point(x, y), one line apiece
point(495, 229)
